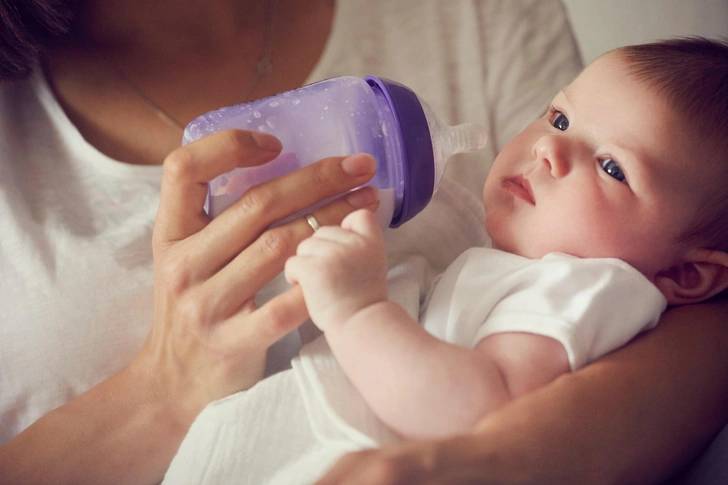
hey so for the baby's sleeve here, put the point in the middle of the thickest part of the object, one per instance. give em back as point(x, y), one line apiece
point(590, 306)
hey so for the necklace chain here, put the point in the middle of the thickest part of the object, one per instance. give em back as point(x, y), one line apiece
point(263, 68)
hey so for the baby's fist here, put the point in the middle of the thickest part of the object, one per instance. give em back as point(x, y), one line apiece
point(341, 270)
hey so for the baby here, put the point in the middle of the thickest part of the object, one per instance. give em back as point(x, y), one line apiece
point(602, 212)
point(628, 165)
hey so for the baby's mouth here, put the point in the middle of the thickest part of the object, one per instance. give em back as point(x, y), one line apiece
point(520, 187)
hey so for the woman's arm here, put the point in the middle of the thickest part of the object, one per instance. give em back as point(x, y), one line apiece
point(633, 417)
point(207, 338)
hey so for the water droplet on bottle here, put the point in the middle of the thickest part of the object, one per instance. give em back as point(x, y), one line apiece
point(257, 114)
point(274, 104)
point(296, 101)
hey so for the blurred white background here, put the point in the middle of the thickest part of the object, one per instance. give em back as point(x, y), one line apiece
point(601, 25)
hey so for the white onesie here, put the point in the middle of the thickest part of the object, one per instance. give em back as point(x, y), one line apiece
point(591, 306)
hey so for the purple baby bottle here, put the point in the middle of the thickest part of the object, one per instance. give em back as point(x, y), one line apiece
point(342, 116)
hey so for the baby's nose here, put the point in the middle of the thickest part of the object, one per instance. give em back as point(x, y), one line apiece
point(553, 151)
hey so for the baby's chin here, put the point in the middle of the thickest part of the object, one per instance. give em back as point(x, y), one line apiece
point(497, 246)
point(504, 238)
point(501, 245)
point(526, 251)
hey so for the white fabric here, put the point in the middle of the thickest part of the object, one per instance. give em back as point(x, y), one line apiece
point(247, 440)
point(75, 258)
point(591, 306)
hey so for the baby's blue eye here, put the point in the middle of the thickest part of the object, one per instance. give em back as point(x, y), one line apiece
point(561, 122)
point(611, 167)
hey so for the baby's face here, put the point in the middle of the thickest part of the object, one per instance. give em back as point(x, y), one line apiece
point(608, 171)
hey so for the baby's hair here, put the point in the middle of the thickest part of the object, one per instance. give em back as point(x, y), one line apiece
point(29, 29)
point(692, 74)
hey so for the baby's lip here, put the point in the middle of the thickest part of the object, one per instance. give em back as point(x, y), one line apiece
point(519, 186)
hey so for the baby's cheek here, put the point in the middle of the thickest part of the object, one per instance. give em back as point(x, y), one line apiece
point(600, 236)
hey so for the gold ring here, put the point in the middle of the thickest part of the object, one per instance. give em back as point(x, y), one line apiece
point(313, 222)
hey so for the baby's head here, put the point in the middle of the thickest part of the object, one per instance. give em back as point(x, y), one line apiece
point(630, 161)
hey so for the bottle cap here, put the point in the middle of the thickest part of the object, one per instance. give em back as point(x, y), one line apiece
point(418, 156)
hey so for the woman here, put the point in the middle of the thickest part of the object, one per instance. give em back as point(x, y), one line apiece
point(107, 357)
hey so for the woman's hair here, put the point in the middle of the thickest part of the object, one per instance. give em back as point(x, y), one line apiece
point(692, 74)
point(29, 29)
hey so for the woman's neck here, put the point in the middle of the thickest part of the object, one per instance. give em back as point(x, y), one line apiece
point(185, 58)
point(173, 28)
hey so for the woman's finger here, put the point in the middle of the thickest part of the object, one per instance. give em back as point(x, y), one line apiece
point(262, 260)
point(269, 323)
point(345, 468)
point(459, 460)
point(410, 466)
point(241, 223)
point(188, 169)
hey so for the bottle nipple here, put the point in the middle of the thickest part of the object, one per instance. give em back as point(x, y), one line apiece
point(466, 137)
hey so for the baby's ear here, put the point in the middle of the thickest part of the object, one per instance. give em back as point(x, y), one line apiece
point(702, 274)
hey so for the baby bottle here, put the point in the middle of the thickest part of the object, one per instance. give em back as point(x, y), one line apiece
point(343, 116)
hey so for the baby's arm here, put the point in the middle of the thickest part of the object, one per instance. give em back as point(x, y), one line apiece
point(417, 384)
point(423, 387)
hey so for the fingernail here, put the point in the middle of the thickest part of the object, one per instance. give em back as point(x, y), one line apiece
point(359, 165)
point(266, 141)
point(363, 197)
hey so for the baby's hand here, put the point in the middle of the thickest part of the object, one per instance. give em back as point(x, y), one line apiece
point(341, 270)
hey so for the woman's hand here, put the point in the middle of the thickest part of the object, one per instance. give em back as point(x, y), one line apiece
point(208, 339)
